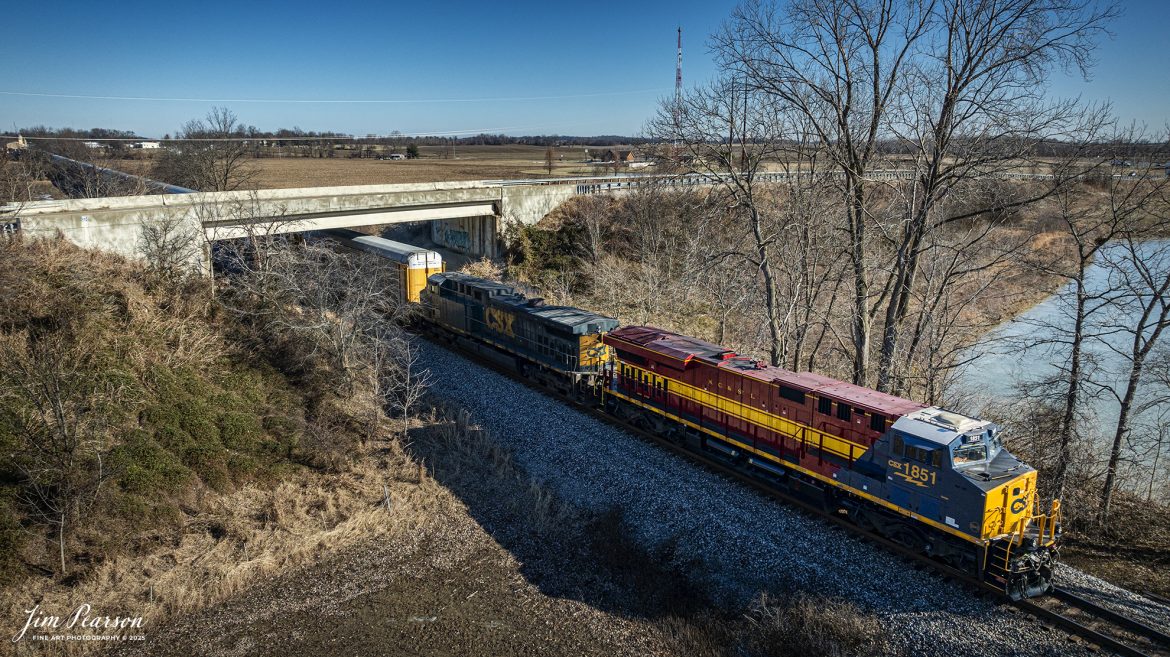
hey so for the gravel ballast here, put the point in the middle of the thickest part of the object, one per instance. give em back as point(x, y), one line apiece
point(736, 541)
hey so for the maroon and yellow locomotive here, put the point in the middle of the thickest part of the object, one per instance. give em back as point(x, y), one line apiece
point(936, 481)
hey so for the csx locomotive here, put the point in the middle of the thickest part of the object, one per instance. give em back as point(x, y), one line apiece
point(933, 480)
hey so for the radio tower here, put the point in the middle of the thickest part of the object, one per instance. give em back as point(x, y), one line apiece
point(678, 74)
point(678, 69)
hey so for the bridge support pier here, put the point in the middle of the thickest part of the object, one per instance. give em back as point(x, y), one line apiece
point(477, 236)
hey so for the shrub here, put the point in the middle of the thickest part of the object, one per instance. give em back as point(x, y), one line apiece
point(159, 416)
point(196, 418)
point(209, 461)
point(239, 431)
point(229, 401)
point(146, 467)
point(808, 625)
point(242, 466)
point(173, 439)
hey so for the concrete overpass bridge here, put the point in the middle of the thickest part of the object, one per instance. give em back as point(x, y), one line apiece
point(465, 216)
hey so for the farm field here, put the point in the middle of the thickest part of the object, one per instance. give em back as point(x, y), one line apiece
point(468, 163)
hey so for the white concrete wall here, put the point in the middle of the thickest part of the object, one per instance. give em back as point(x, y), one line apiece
point(466, 216)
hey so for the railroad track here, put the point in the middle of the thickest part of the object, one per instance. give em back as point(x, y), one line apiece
point(1067, 611)
point(1100, 625)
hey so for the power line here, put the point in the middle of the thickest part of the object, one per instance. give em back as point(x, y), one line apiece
point(355, 101)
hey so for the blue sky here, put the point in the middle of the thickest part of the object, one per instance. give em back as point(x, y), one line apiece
point(517, 67)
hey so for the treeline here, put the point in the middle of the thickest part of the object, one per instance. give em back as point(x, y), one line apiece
point(76, 133)
point(109, 137)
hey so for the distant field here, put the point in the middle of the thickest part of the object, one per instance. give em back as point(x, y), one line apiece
point(469, 163)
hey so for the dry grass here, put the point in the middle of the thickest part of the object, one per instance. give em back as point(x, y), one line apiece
point(469, 163)
point(243, 538)
point(805, 626)
point(484, 268)
point(470, 452)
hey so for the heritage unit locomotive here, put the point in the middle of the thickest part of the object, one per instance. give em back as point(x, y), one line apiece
point(936, 481)
point(933, 480)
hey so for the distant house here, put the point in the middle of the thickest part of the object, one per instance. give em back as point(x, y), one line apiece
point(396, 156)
point(92, 144)
point(147, 144)
point(19, 145)
point(617, 156)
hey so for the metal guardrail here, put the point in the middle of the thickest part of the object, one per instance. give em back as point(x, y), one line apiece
point(600, 184)
point(156, 185)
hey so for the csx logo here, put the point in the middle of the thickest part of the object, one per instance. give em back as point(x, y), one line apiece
point(1019, 504)
point(499, 321)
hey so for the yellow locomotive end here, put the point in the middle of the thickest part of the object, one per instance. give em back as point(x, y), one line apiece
point(593, 353)
point(1014, 511)
point(416, 270)
point(1009, 505)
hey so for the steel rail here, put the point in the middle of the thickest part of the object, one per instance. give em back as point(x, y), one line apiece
point(1100, 625)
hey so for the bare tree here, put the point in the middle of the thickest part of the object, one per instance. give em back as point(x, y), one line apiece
point(1087, 222)
point(22, 177)
point(401, 381)
point(839, 64)
point(593, 215)
point(696, 127)
point(62, 403)
point(87, 171)
point(957, 82)
point(325, 305)
point(1140, 277)
point(214, 155)
point(976, 107)
point(174, 246)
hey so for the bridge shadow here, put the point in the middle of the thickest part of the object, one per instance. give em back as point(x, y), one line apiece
point(563, 551)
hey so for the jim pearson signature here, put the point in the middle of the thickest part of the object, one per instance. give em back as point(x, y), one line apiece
point(82, 617)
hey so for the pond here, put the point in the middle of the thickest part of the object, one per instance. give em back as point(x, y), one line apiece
point(1034, 346)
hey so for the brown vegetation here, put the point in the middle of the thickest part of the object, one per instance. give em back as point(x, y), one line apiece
point(145, 443)
point(245, 486)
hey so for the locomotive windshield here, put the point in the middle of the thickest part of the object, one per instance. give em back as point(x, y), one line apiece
point(965, 454)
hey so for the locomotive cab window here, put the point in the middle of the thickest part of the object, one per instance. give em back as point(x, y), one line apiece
point(844, 411)
point(965, 454)
point(877, 422)
point(923, 455)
